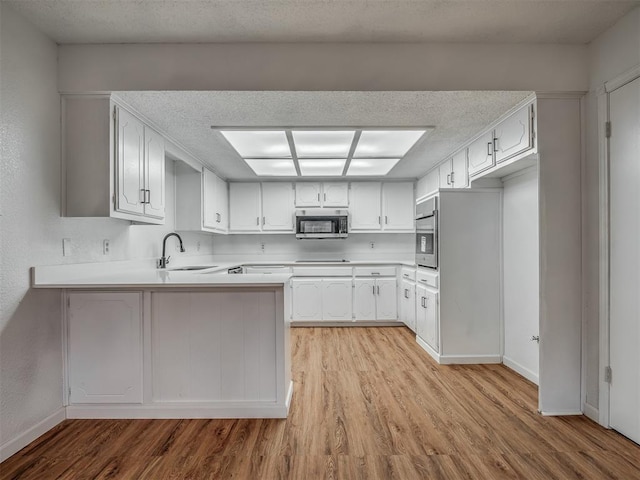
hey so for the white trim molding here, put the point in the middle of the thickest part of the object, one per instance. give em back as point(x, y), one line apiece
point(519, 369)
point(622, 79)
point(25, 438)
point(591, 412)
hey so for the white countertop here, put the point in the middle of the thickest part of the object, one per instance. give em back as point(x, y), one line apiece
point(143, 274)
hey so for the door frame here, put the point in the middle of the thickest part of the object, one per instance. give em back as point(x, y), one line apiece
point(603, 203)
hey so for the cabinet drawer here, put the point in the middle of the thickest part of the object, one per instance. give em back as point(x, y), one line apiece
point(428, 278)
point(408, 273)
point(322, 271)
point(383, 271)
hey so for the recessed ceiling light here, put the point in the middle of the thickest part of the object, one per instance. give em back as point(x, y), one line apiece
point(371, 166)
point(259, 143)
point(321, 167)
point(322, 143)
point(272, 167)
point(386, 143)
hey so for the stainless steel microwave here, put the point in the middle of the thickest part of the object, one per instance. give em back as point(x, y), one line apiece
point(427, 233)
point(322, 223)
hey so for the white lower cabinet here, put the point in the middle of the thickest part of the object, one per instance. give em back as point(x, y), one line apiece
point(408, 304)
point(104, 347)
point(316, 299)
point(427, 316)
point(375, 299)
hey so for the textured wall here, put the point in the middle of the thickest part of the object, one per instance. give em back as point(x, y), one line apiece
point(32, 230)
point(612, 53)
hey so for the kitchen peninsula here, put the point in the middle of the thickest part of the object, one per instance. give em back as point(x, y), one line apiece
point(148, 343)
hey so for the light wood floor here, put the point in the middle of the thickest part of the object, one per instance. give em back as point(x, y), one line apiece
point(367, 404)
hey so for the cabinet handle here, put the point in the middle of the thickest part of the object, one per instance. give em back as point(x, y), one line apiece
point(218, 218)
point(143, 195)
point(378, 289)
point(453, 178)
point(147, 196)
point(258, 221)
point(374, 289)
point(489, 149)
point(386, 220)
point(449, 179)
point(379, 220)
point(406, 293)
point(263, 220)
point(422, 302)
point(495, 144)
point(318, 197)
point(325, 197)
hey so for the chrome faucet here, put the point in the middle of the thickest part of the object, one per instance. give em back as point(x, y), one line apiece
point(164, 261)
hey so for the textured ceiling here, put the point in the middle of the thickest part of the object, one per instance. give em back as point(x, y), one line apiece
point(188, 116)
point(489, 21)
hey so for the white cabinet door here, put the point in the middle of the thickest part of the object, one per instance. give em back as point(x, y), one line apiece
point(444, 173)
point(408, 304)
point(154, 173)
point(130, 193)
point(513, 135)
point(365, 206)
point(105, 347)
point(386, 299)
point(432, 181)
point(427, 316)
point(364, 300)
point(335, 194)
point(459, 174)
point(308, 194)
point(277, 207)
point(222, 202)
point(481, 154)
point(398, 206)
point(337, 299)
point(244, 207)
point(307, 299)
point(209, 201)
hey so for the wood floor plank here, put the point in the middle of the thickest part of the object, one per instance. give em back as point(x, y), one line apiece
point(368, 403)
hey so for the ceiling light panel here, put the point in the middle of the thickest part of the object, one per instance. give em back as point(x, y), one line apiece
point(386, 143)
point(272, 167)
point(366, 167)
point(259, 143)
point(322, 143)
point(321, 167)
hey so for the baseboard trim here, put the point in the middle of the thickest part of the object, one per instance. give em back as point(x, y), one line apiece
point(470, 359)
point(289, 396)
point(561, 413)
point(525, 372)
point(427, 348)
point(18, 443)
point(591, 412)
point(347, 323)
point(178, 411)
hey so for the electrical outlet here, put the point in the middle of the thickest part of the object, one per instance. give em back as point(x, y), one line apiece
point(262, 247)
point(66, 247)
point(373, 244)
point(105, 246)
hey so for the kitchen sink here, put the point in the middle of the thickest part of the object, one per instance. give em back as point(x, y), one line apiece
point(196, 267)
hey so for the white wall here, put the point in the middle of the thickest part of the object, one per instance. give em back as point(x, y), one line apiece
point(32, 230)
point(323, 66)
point(521, 273)
point(611, 54)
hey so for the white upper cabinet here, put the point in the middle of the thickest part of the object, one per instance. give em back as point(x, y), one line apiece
point(444, 174)
point(244, 207)
point(201, 200)
point(365, 208)
point(314, 194)
point(222, 202)
point(277, 207)
point(308, 194)
point(209, 186)
point(513, 135)
point(481, 154)
point(429, 184)
point(459, 172)
point(398, 206)
point(131, 193)
point(114, 164)
point(335, 194)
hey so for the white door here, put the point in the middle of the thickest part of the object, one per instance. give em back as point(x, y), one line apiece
point(365, 206)
point(386, 299)
point(105, 347)
point(308, 194)
point(209, 201)
point(307, 299)
point(130, 164)
point(398, 206)
point(513, 135)
point(481, 154)
point(459, 176)
point(337, 299)
point(277, 207)
point(222, 202)
point(444, 172)
point(624, 254)
point(244, 207)
point(154, 173)
point(335, 194)
point(364, 300)
point(408, 304)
